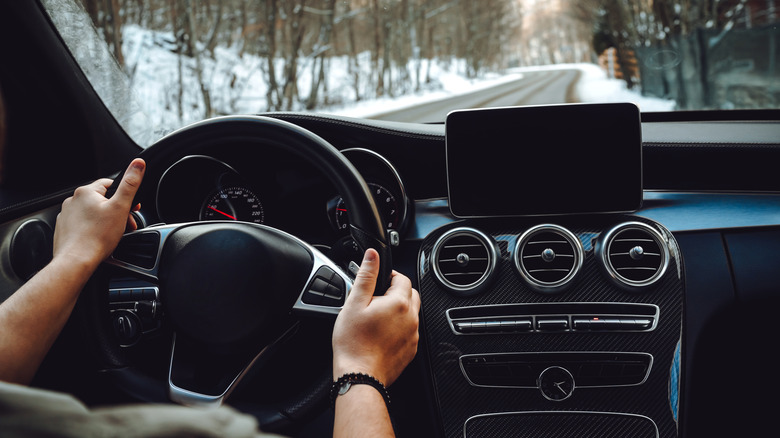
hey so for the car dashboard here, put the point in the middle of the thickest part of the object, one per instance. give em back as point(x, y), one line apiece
point(619, 324)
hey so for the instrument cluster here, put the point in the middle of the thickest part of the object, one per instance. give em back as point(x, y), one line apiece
point(287, 195)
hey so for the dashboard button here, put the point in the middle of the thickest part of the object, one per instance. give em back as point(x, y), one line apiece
point(552, 324)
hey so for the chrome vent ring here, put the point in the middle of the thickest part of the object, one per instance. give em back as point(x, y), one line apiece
point(464, 260)
point(634, 255)
point(548, 257)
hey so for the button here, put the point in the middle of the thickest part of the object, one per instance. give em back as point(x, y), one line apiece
point(493, 326)
point(508, 326)
point(113, 295)
point(463, 327)
point(581, 323)
point(136, 294)
point(125, 294)
point(149, 294)
point(478, 326)
point(643, 323)
point(523, 325)
point(612, 324)
point(552, 324)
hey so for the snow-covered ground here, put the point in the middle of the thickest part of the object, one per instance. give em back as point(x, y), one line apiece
point(167, 88)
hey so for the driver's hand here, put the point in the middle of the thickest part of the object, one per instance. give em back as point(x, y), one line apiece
point(376, 335)
point(89, 226)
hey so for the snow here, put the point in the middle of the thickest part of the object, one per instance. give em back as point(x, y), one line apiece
point(168, 92)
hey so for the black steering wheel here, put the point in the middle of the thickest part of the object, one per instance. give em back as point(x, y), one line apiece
point(227, 289)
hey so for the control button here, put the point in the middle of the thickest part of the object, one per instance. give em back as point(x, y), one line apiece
point(508, 326)
point(581, 323)
point(478, 326)
point(113, 295)
point(463, 327)
point(149, 294)
point(127, 327)
point(125, 294)
point(523, 325)
point(552, 324)
point(643, 323)
point(612, 324)
point(493, 326)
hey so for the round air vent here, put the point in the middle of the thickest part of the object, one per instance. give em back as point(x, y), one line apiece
point(463, 260)
point(634, 254)
point(548, 257)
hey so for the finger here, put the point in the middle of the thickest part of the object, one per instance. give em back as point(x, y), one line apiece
point(131, 224)
point(130, 182)
point(365, 280)
point(400, 285)
point(102, 184)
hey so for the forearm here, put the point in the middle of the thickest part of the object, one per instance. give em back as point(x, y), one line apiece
point(32, 318)
point(362, 412)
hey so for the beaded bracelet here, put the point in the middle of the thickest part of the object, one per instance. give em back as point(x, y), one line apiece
point(342, 385)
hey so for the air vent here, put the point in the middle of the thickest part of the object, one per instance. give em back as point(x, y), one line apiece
point(548, 257)
point(634, 255)
point(463, 260)
point(139, 249)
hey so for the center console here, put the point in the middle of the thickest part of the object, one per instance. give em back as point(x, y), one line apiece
point(549, 309)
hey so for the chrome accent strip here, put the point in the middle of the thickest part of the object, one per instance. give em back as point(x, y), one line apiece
point(620, 414)
point(541, 286)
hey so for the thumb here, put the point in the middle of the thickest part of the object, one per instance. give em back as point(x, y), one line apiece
point(365, 280)
point(131, 180)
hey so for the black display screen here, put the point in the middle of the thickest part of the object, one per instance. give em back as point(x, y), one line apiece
point(544, 160)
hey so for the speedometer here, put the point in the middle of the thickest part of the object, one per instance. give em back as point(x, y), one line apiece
point(233, 203)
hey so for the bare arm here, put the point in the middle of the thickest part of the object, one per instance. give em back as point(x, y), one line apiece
point(87, 231)
point(374, 335)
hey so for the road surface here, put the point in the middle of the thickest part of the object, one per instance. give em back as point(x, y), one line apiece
point(534, 88)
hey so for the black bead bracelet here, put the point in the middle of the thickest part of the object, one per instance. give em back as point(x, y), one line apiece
point(342, 385)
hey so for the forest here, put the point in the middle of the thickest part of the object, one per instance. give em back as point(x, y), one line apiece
point(677, 49)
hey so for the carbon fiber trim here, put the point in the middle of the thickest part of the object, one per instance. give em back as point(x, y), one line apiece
point(557, 424)
point(458, 400)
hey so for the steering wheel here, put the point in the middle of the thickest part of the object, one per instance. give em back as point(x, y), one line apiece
point(227, 289)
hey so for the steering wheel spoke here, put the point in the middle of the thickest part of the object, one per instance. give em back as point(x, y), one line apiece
point(326, 289)
point(198, 377)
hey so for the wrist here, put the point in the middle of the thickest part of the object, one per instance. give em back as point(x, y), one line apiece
point(346, 382)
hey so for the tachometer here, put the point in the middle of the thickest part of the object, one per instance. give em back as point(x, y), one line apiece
point(385, 202)
point(233, 203)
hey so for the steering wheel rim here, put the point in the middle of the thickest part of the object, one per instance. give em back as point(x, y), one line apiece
point(366, 229)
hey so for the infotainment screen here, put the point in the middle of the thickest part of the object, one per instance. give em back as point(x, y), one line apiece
point(544, 160)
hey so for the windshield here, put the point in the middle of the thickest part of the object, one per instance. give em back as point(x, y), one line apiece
point(162, 64)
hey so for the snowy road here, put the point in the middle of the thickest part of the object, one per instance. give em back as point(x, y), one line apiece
point(534, 88)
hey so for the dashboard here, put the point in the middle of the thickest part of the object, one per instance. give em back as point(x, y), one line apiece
point(572, 324)
point(566, 324)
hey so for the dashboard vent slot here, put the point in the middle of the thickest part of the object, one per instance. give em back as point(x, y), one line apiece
point(463, 260)
point(548, 257)
point(139, 249)
point(634, 254)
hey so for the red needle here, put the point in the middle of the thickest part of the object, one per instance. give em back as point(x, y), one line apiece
point(222, 213)
point(341, 209)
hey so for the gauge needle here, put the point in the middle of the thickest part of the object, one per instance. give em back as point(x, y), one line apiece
point(558, 385)
point(222, 213)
